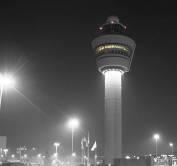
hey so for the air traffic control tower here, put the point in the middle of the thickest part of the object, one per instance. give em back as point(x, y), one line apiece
point(114, 52)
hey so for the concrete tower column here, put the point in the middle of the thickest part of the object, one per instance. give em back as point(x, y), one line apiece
point(113, 129)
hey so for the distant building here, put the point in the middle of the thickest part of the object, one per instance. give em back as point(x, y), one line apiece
point(3, 142)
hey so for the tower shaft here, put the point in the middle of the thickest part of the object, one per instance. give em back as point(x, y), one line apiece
point(113, 119)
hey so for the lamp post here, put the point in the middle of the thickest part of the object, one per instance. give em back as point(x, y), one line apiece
point(6, 81)
point(86, 149)
point(73, 123)
point(171, 145)
point(56, 144)
point(156, 137)
point(5, 153)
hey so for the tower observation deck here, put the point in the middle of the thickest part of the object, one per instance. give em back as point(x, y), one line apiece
point(114, 52)
point(114, 49)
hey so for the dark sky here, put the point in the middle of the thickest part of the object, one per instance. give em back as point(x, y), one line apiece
point(47, 46)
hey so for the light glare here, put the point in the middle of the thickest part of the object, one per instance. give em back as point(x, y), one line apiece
point(39, 155)
point(7, 81)
point(73, 123)
point(127, 157)
point(25, 156)
point(5, 151)
point(156, 136)
point(56, 144)
point(13, 156)
point(171, 144)
point(74, 154)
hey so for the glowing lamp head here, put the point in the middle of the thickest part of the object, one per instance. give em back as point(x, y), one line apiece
point(55, 155)
point(171, 144)
point(156, 137)
point(7, 81)
point(73, 123)
point(56, 144)
point(13, 156)
point(25, 155)
point(128, 157)
point(39, 155)
point(6, 150)
point(74, 154)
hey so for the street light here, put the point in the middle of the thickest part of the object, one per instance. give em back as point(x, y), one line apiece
point(171, 145)
point(56, 144)
point(6, 81)
point(5, 152)
point(13, 156)
point(73, 124)
point(74, 154)
point(25, 156)
point(156, 137)
point(39, 155)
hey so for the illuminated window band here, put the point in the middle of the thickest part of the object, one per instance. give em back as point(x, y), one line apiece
point(113, 48)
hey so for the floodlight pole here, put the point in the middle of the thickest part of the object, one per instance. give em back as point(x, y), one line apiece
point(172, 150)
point(171, 145)
point(72, 132)
point(73, 124)
point(156, 146)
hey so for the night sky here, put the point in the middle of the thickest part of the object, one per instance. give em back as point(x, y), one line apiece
point(47, 45)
